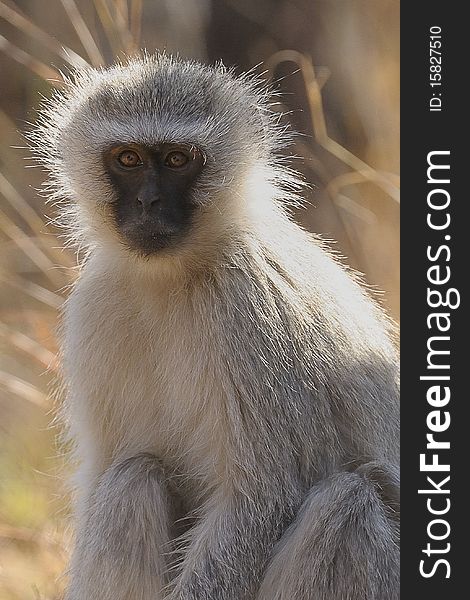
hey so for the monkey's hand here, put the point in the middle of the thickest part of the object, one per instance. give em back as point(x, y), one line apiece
point(230, 546)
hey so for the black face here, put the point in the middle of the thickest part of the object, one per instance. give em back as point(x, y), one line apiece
point(153, 209)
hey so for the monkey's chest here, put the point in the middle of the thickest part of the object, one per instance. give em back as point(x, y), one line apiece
point(152, 390)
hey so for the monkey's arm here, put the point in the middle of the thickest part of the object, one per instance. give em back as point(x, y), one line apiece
point(123, 535)
point(343, 543)
point(230, 546)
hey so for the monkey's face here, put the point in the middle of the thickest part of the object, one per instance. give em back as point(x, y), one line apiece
point(155, 156)
point(153, 205)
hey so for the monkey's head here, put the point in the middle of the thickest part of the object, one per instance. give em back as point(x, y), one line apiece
point(158, 156)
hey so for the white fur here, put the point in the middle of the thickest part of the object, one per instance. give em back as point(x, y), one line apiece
point(222, 389)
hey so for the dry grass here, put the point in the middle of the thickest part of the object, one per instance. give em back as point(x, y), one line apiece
point(357, 204)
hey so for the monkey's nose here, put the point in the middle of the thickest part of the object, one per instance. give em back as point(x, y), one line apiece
point(146, 203)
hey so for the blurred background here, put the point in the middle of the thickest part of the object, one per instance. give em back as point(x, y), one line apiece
point(336, 63)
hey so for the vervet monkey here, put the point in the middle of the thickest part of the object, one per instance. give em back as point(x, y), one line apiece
point(232, 391)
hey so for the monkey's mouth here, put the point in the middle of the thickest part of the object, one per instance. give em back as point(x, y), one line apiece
point(151, 236)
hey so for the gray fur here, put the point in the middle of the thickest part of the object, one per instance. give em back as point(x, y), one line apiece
point(124, 570)
point(342, 546)
point(233, 401)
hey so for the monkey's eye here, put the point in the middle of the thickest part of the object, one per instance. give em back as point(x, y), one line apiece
point(176, 159)
point(129, 159)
